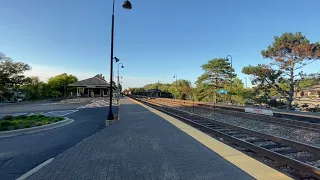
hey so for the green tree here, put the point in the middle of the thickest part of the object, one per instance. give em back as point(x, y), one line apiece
point(217, 74)
point(267, 81)
point(237, 91)
point(151, 86)
point(137, 91)
point(218, 70)
point(308, 80)
point(59, 84)
point(11, 73)
point(32, 88)
point(181, 89)
point(164, 87)
point(289, 53)
point(204, 92)
point(249, 96)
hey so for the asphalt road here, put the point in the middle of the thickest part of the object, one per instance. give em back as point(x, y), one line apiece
point(37, 107)
point(20, 154)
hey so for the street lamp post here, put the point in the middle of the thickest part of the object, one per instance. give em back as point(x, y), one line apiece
point(176, 76)
point(157, 90)
point(126, 5)
point(119, 79)
point(231, 78)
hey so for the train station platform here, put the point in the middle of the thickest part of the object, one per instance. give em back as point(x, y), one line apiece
point(147, 144)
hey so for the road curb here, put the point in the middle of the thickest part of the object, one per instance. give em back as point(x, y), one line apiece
point(34, 170)
point(18, 132)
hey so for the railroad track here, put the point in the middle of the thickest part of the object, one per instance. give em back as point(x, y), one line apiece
point(304, 158)
point(257, 117)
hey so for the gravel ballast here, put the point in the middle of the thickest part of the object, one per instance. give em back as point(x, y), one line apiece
point(280, 130)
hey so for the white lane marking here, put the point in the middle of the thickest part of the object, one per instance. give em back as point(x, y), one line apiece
point(32, 171)
point(100, 103)
point(59, 113)
point(61, 103)
point(49, 104)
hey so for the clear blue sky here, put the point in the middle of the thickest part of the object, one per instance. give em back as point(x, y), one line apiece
point(154, 39)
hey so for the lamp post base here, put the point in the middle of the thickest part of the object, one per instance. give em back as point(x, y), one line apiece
point(112, 121)
point(110, 116)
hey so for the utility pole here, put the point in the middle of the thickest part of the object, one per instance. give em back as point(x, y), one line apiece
point(215, 92)
point(176, 76)
point(231, 79)
point(215, 96)
point(125, 5)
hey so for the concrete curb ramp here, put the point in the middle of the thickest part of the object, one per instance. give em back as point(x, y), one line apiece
point(35, 129)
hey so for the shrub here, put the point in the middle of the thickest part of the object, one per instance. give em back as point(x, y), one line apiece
point(3, 128)
point(24, 121)
point(21, 117)
point(17, 126)
point(51, 118)
point(27, 124)
point(46, 122)
point(6, 123)
point(38, 123)
point(30, 117)
point(276, 104)
point(41, 116)
point(7, 117)
point(60, 118)
point(33, 116)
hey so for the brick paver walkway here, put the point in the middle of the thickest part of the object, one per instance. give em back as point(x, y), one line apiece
point(141, 146)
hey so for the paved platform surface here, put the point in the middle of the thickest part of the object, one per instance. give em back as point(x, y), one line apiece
point(141, 146)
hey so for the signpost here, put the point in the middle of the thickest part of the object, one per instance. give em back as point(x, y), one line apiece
point(259, 111)
point(222, 91)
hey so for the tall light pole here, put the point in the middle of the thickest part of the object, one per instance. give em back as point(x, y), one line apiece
point(126, 5)
point(157, 90)
point(231, 78)
point(119, 79)
point(176, 76)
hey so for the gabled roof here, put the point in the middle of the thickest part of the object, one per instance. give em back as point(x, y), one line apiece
point(152, 90)
point(94, 81)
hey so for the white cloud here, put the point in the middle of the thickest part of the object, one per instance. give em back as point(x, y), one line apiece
point(129, 81)
point(45, 72)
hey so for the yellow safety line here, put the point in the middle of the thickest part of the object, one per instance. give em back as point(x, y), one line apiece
point(253, 167)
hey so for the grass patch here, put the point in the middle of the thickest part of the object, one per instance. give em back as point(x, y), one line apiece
point(7, 117)
point(24, 121)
